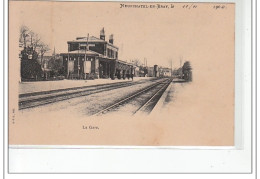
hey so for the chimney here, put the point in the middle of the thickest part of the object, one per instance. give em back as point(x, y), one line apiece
point(111, 39)
point(80, 38)
point(102, 34)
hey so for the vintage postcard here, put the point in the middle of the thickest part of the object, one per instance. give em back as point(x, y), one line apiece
point(121, 73)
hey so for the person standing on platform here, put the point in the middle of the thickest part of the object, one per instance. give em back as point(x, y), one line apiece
point(132, 73)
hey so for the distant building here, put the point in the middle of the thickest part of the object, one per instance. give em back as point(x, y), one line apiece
point(156, 71)
point(142, 71)
point(164, 72)
point(150, 72)
point(136, 70)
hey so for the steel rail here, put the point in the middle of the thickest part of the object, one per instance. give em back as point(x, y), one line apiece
point(70, 92)
point(34, 101)
point(39, 93)
point(128, 98)
point(150, 99)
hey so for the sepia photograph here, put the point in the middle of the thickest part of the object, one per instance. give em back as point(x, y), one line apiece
point(121, 73)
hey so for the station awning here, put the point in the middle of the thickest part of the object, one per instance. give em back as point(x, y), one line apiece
point(81, 52)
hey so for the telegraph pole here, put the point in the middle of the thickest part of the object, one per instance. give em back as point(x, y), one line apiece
point(68, 73)
point(86, 49)
point(171, 67)
point(54, 54)
point(78, 61)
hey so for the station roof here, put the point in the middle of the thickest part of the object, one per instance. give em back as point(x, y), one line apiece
point(124, 62)
point(90, 39)
point(82, 51)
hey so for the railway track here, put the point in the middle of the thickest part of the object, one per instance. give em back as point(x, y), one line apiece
point(142, 101)
point(30, 100)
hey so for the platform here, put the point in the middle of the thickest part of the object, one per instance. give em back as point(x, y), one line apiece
point(37, 86)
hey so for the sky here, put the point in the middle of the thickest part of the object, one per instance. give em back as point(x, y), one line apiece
point(159, 35)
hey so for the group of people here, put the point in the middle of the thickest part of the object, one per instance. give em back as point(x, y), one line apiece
point(130, 76)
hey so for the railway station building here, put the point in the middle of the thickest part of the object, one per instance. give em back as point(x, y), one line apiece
point(92, 57)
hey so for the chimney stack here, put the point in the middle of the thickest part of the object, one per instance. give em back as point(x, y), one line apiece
point(111, 39)
point(102, 34)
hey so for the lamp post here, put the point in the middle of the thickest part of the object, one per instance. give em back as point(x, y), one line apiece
point(78, 61)
point(85, 57)
point(171, 67)
point(68, 61)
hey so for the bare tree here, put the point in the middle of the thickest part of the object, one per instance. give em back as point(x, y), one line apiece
point(36, 41)
point(24, 32)
point(136, 62)
point(43, 48)
point(33, 47)
point(36, 45)
point(31, 33)
point(27, 35)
